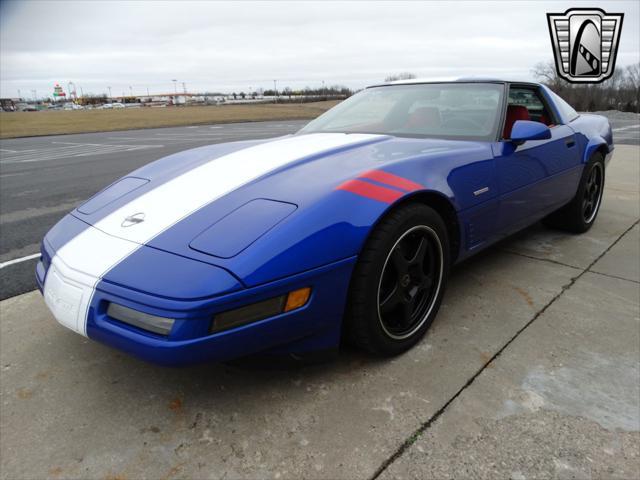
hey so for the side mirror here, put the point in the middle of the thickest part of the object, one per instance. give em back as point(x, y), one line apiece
point(524, 130)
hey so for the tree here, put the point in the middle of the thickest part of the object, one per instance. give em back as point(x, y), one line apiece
point(619, 92)
point(546, 73)
point(400, 76)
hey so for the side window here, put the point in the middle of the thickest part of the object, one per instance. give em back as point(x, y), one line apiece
point(531, 100)
point(525, 103)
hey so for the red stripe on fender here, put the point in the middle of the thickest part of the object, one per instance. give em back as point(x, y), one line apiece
point(369, 190)
point(391, 180)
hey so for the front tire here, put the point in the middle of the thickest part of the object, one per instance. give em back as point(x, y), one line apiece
point(579, 215)
point(399, 281)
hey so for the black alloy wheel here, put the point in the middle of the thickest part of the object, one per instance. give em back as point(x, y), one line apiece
point(592, 193)
point(410, 281)
point(399, 280)
point(580, 213)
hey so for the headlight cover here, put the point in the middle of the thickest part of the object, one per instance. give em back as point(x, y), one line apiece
point(144, 321)
point(260, 310)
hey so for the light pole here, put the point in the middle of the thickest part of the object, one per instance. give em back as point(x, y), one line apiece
point(109, 93)
point(175, 91)
point(275, 89)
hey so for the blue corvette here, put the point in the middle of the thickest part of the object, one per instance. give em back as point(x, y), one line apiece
point(345, 230)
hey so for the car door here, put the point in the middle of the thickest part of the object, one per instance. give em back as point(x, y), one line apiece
point(533, 177)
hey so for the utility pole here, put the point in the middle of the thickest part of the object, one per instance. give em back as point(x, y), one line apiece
point(275, 89)
point(109, 93)
point(131, 90)
point(184, 87)
point(175, 91)
point(35, 95)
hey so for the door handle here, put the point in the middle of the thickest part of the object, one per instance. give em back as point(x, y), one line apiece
point(570, 142)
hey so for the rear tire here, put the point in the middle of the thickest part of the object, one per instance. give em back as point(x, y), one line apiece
point(399, 281)
point(580, 213)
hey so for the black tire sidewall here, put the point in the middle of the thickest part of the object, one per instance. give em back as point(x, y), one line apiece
point(580, 223)
point(370, 268)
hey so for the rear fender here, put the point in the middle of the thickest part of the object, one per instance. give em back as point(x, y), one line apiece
point(596, 144)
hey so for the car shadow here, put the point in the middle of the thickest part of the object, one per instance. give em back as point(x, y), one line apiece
point(266, 370)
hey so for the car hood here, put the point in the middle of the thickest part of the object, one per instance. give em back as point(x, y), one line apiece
point(213, 203)
point(154, 205)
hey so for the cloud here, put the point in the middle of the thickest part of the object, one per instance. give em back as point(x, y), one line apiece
point(242, 45)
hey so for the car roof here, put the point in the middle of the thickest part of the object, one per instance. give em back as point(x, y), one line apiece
point(454, 80)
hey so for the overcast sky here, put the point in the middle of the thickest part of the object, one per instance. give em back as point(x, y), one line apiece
point(218, 46)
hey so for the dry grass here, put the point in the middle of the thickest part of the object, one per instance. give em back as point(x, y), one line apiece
point(27, 124)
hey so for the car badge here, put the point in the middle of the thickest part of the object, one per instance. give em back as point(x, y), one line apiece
point(134, 219)
point(585, 43)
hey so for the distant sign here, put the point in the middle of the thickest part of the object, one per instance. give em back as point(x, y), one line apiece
point(58, 92)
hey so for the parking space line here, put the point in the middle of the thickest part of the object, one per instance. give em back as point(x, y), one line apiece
point(71, 149)
point(630, 127)
point(18, 260)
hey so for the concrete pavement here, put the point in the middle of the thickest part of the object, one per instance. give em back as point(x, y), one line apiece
point(561, 402)
point(529, 371)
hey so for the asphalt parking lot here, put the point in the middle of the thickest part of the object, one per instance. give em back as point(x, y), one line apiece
point(530, 370)
point(43, 178)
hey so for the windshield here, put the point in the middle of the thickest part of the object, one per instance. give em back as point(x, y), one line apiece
point(463, 111)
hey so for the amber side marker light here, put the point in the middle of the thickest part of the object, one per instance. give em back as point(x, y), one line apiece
point(260, 310)
point(297, 299)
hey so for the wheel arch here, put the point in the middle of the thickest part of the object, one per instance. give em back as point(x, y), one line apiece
point(595, 145)
point(442, 205)
point(437, 201)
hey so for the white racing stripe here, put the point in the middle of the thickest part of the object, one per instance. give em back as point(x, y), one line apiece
point(169, 203)
point(80, 264)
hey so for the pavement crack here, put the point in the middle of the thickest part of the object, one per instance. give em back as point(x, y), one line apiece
point(548, 260)
point(614, 276)
point(426, 425)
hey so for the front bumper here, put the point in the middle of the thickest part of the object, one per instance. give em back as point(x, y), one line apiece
point(316, 326)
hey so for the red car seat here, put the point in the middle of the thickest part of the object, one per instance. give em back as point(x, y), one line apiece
point(544, 119)
point(514, 113)
point(424, 117)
